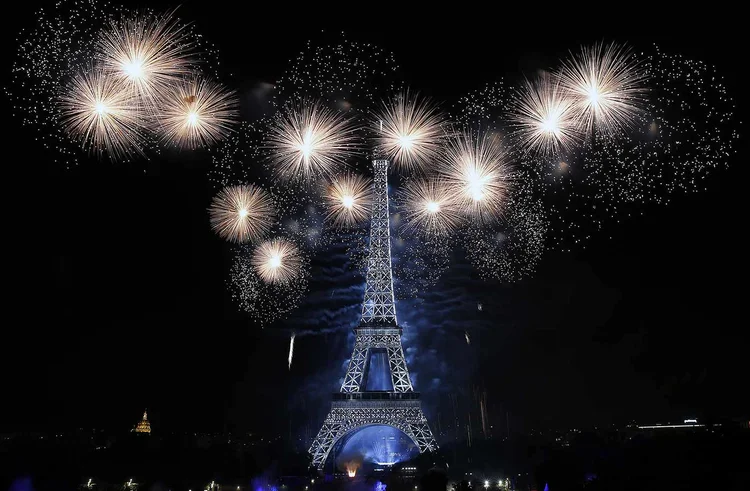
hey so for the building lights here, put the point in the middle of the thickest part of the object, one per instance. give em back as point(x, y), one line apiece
point(654, 427)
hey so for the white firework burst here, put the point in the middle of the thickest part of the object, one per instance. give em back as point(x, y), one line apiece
point(147, 53)
point(430, 207)
point(310, 140)
point(348, 199)
point(409, 131)
point(97, 111)
point(606, 85)
point(264, 302)
point(477, 172)
point(277, 261)
point(241, 213)
point(197, 113)
point(545, 118)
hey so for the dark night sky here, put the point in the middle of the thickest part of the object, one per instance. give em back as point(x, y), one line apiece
point(116, 298)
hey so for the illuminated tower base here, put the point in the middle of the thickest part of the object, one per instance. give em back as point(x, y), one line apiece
point(354, 407)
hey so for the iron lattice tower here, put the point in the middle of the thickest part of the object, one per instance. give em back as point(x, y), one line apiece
point(354, 407)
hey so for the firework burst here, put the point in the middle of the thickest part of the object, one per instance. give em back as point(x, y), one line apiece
point(409, 131)
point(277, 261)
point(430, 207)
point(147, 53)
point(348, 200)
point(545, 118)
point(241, 213)
point(197, 113)
point(309, 141)
point(477, 173)
point(97, 111)
point(606, 85)
point(264, 302)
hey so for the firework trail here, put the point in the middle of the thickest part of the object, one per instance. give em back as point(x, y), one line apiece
point(291, 350)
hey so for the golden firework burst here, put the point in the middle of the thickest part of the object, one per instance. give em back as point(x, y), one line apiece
point(148, 53)
point(197, 113)
point(545, 118)
point(430, 207)
point(348, 199)
point(277, 261)
point(100, 113)
point(409, 131)
point(241, 213)
point(606, 85)
point(310, 140)
point(476, 171)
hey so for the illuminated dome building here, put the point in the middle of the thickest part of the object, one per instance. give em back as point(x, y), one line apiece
point(143, 425)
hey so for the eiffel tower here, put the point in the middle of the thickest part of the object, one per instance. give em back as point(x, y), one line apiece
point(354, 407)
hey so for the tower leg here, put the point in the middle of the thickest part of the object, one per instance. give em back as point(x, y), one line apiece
point(397, 362)
point(349, 416)
point(355, 373)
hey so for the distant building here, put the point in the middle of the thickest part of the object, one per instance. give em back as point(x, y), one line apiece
point(143, 425)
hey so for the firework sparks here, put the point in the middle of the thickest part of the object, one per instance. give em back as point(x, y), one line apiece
point(545, 117)
point(277, 261)
point(197, 113)
point(65, 41)
point(291, 350)
point(264, 302)
point(606, 85)
point(96, 110)
point(148, 53)
point(430, 207)
point(349, 200)
point(409, 131)
point(468, 339)
point(345, 73)
point(241, 213)
point(476, 170)
point(310, 141)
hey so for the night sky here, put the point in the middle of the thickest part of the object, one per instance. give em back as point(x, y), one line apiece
point(117, 301)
